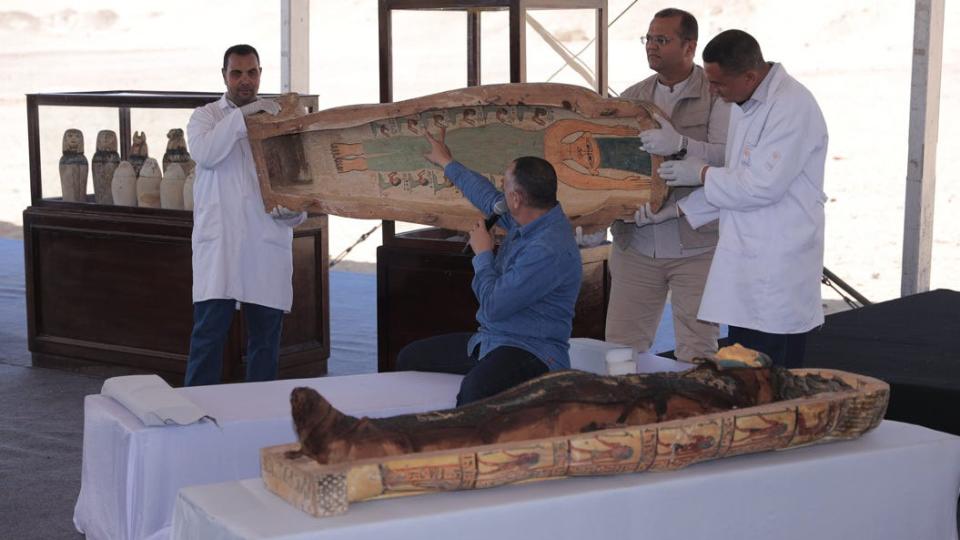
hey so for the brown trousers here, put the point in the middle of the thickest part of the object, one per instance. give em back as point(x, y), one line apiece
point(639, 291)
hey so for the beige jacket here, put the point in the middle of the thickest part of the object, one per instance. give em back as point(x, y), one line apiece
point(690, 117)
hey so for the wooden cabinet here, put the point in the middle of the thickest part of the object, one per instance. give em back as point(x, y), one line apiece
point(109, 287)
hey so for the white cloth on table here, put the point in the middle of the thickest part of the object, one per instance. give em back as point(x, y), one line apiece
point(608, 358)
point(602, 357)
point(153, 401)
point(647, 362)
point(131, 472)
point(898, 481)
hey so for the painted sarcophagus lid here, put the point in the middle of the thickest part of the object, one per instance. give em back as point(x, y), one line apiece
point(366, 161)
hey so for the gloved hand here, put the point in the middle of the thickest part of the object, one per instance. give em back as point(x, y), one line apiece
point(646, 216)
point(282, 212)
point(591, 239)
point(683, 172)
point(664, 141)
point(265, 105)
point(288, 217)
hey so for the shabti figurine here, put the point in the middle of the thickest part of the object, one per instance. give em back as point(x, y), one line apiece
point(138, 151)
point(171, 188)
point(105, 162)
point(123, 187)
point(188, 191)
point(73, 167)
point(557, 404)
point(177, 152)
point(148, 184)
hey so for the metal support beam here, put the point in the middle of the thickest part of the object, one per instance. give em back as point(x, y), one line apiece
point(518, 41)
point(922, 146)
point(568, 57)
point(385, 58)
point(295, 46)
point(601, 54)
point(473, 47)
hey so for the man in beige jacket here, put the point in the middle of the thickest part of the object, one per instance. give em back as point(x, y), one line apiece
point(658, 253)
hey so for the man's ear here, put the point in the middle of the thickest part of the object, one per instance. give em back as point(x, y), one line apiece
point(223, 73)
point(517, 199)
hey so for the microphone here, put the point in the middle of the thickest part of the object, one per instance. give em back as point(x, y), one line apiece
point(499, 209)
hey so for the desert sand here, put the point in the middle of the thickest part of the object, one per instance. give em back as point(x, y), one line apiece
point(854, 55)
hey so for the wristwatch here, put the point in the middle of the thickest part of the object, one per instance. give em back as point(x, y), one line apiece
point(679, 154)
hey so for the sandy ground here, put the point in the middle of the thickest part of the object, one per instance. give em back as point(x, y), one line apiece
point(853, 54)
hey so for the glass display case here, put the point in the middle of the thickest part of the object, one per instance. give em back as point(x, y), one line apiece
point(108, 287)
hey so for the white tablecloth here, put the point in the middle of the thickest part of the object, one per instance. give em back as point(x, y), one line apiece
point(897, 482)
point(131, 473)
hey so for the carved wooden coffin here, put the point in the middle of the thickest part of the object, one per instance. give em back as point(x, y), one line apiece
point(366, 161)
point(325, 490)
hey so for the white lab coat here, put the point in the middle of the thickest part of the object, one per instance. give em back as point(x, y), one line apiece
point(239, 251)
point(769, 198)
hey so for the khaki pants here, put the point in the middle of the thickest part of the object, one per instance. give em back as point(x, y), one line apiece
point(639, 291)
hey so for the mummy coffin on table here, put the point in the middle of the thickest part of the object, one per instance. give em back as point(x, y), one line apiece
point(366, 161)
point(564, 424)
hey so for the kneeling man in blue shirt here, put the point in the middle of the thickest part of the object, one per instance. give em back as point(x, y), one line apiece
point(527, 292)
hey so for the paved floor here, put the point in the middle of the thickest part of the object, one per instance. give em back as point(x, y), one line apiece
point(41, 437)
point(41, 428)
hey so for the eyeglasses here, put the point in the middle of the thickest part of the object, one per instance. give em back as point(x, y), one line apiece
point(659, 40)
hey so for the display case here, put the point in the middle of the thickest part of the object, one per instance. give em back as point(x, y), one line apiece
point(108, 288)
point(423, 277)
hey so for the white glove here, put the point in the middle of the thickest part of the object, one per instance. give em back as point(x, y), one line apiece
point(664, 141)
point(265, 105)
point(683, 172)
point(282, 212)
point(591, 239)
point(288, 217)
point(646, 216)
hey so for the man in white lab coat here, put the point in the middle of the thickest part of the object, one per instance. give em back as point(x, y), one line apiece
point(242, 256)
point(765, 277)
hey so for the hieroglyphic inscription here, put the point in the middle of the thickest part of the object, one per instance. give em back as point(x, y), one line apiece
point(543, 460)
point(609, 452)
point(428, 473)
point(487, 139)
point(682, 445)
point(760, 432)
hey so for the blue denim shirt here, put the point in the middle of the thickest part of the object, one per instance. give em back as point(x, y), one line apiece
point(527, 293)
